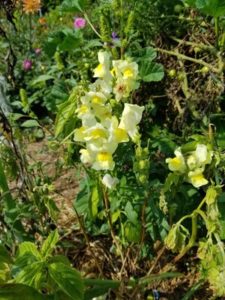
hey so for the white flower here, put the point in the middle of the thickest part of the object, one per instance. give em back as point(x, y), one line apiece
point(102, 70)
point(103, 161)
point(131, 117)
point(177, 163)
point(86, 156)
point(125, 69)
point(191, 161)
point(101, 86)
point(109, 181)
point(196, 178)
point(202, 154)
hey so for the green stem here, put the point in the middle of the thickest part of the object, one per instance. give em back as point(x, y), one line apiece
point(92, 26)
point(121, 28)
point(195, 60)
point(216, 21)
point(192, 239)
point(109, 217)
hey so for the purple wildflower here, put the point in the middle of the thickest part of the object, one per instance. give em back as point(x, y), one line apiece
point(79, 23)
point(114, 35)
point(37, 51)
point(27, 64)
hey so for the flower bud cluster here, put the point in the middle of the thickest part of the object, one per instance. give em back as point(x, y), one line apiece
point(192, 165)
point(101, 130)
point(141, 164)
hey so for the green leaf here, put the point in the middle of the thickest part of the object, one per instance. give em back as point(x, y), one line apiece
point(146, 55)
point(155, 277)
point(49, 243)
point(150, 71)
point(28, 248)
point(4, 255)
point(66, 119)
point(21, 292)
point(192, 290)
point(31, 275)
point(131, 214)
point(52, 208)
point(41, 78)
point(72, 40)
point(30, 123)
point(94, 201)
point(133, 232)
point(72, 6)
point(68, 280)
point(214, 8)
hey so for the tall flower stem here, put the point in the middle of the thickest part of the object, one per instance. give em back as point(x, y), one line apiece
point(109, 217)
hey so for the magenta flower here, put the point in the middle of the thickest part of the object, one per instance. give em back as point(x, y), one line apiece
point(79, 23)
point(27, 64)
point(37, 51)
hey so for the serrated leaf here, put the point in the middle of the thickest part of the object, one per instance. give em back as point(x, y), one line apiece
point(28, 248)
point(30, 124)
point(49, 243)
point(151, 72)
point(68, 279)
point(31, 275)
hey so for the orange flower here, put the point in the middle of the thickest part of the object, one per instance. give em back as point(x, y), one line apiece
point(31, 6)
point(42, 21)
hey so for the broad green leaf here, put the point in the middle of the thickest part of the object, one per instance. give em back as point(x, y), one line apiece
point(30, 123)
point(72, 6)
point(68, 279)
point(214, 8)
point(31, 275)
point(4, 255)
point(66, 119)
point(52, 208)
point(133, 232)
point(131, 214)
point(21, 292)
point(41, 78)
point(5, 273)
point(28, 248)
point(115, 216)
point(150, 71)
point(72, 39)
point(146, 55)
point(94, 201)
point(49, 243)
point(59, 258)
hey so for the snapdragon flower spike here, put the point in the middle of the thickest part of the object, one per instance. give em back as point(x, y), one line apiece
point(101, 132)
